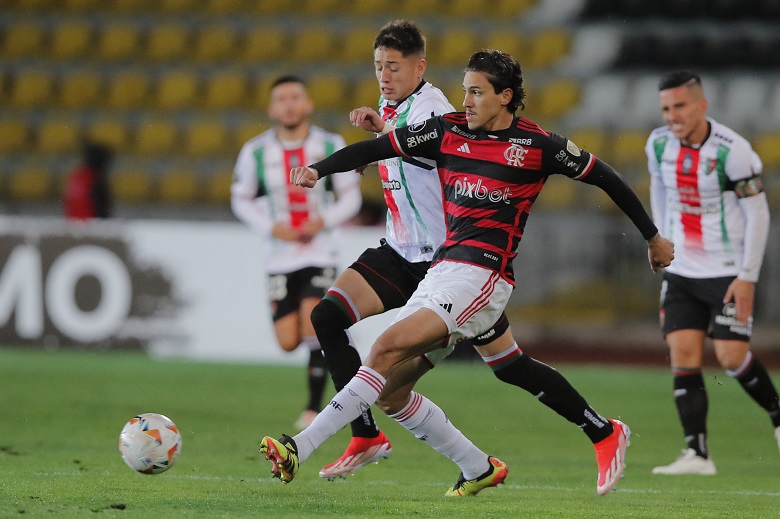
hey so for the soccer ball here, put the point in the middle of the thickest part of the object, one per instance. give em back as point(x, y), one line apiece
point(150, 443)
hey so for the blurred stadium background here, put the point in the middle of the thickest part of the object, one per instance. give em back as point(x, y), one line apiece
point(176, 86)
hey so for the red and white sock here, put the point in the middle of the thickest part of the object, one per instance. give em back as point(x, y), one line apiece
point(430, 424)
point(359, 394)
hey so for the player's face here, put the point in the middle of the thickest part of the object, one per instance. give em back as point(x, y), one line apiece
point(290, 105)
point(683, 109)
point(485, 110)
point(398, 75)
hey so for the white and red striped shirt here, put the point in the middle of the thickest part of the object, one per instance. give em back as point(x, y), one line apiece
point(694, 203)
point(261, 196)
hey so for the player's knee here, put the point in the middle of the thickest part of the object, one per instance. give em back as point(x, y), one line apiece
point(288, 343)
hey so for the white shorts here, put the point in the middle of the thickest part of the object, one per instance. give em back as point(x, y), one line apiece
point(469, 299)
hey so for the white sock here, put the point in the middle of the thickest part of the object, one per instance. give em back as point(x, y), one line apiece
point(428, 423)
point(359, 394)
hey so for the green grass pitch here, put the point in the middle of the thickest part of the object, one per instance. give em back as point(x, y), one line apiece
point(61, 413)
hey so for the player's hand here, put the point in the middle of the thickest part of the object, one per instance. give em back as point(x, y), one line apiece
point(366, 118)
point(310, 229)
point(284, 232)
point(660, 252)
point(304, 176)
point(742, 293)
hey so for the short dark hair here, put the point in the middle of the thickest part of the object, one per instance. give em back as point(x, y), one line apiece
point(289, 78)
point(679, 78)
point(403, 36)
point(503, 71)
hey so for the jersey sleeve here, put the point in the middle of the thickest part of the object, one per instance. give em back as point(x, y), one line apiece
point(248, 207)
point(562, 156)
point(742, 162)
point(419, 140)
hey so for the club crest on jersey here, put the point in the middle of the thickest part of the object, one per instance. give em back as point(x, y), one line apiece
point(514, 155)
point(480, 192)
point(687, 164)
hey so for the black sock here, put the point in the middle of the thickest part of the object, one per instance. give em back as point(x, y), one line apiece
point(343, 360)
point(756, 382)
point(554, 391)
point(318, 375)
point(690, 396)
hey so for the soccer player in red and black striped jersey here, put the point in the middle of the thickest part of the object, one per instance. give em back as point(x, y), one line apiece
point(492, 166)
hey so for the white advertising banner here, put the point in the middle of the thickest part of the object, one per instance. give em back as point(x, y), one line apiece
point(185, 289)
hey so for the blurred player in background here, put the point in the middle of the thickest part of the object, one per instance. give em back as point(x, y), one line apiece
point(423, 322)
point(707, 195)
point(301, 257)
point(87, 194)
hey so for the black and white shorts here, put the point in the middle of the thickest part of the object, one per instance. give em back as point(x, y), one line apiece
point(286, 291)
point(689, 303)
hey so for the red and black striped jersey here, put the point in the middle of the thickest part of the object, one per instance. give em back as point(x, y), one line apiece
point(490, 180)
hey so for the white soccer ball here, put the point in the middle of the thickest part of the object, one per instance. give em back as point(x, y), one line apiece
point(150, 443)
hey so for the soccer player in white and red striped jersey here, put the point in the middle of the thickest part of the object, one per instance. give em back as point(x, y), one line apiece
point(707, 196)
point(492, 166)
point(299, 224)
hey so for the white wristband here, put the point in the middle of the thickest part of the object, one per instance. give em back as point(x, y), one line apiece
point(387, 129)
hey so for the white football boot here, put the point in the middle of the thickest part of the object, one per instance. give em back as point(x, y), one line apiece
point(688, 463)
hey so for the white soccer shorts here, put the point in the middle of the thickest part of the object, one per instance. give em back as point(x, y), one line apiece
point(469, 299)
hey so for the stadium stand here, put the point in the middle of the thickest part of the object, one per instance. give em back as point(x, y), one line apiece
point(165, 80)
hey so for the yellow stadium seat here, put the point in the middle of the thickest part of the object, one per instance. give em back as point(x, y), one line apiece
point(14, 135)
point(767, 146)
point(556, 98)
point(32, 89)
point(509, 8)
point(30, 184)
point(131, 6)
point(118, 42)
point(558, 194)
point(128, 89)
point(357, 45)
point(24, 40)
point(352, 134)
point(207, 138)
point(261, 93)
point(269, 7)
point(217, 189)
point(223, 6)
point(168, 42)
point(265, 44)
point(82, 6)
point(247, 131)
point(177, 6)
point(156, 137)
point(131, 186)
point(455, 94)
point(113, 133)
point(226, 90)
point(469, 8)
point(57, 136)
point(216, 42)
point(328, 92)
point(628, 148)
point(177, 90)
point(33, 5)
point(454, 49)
point(179, 187)
point(80, 89)
point(509, 41)
point(374, 7)
point(593, 140)
point(325, 7)
point(546, 48)
point(366, 92)
point(411, 8)
point(313, 43)
point(71, 40)
point(641, 185)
